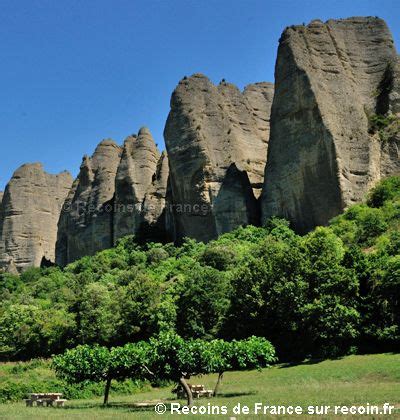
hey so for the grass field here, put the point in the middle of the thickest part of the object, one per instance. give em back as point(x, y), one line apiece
point(353, 380)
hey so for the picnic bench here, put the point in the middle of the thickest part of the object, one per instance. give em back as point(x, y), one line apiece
point(198, 391)
point(46, 399)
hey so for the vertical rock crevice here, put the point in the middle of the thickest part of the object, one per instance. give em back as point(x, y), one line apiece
point(134, 177)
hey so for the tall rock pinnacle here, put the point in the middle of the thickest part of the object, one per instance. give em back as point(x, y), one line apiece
point(216, 138)
point(86, 222)
point(134, 177)
point(330, 78)
point(107, 199)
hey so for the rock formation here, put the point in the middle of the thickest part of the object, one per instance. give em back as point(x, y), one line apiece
point(86, 222)
point(332, 133)
point(118, 192)
point(331, 78)
point(394, 91)
point(134, 177)
point(30, 209)
point(216, 138)
point(157, 220)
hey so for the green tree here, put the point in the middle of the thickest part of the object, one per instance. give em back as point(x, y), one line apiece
point(330, 316)
point(27, 331)
point(268, 290)
point(252, 353)
point(87, 363)
point(202, 303)
point(383, 311)
point(139, 308)
point(99, 314)
point(177, 359)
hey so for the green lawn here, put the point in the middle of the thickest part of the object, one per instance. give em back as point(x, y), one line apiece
point(354, 380)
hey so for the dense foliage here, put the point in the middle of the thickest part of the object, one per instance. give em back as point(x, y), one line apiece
point(330, 292)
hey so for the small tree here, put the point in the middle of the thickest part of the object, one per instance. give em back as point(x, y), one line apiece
point(252, 353)
point(223, 353)
point(178, 360)
point(98, 364)
point(175, 359)
point(129, 361)
point(85, 363)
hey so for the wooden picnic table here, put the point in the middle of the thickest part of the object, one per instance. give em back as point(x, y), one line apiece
point(198, 391)
point(45, 399)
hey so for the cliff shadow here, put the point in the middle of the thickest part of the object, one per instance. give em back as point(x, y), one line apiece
point(235, 204)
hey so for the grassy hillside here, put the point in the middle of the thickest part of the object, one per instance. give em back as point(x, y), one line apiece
point(353, 380)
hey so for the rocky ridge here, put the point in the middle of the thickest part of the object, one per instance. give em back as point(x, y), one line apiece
point(303, 149)
point(107, 200)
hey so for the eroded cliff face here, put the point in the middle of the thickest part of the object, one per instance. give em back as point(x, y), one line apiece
point(119, 191)
point(217, 139)
point(86, 222)
point(330, 78)
point(29, 213)
point(394, 89)
point(134, 177)
point(156, 221)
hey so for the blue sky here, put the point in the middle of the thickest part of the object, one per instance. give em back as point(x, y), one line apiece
point(75, 72)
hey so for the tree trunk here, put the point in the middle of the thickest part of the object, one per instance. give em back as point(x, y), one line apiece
point(188, 391)
point(107, 391)
point(217, 385)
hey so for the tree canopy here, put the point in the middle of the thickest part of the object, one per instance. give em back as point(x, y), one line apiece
point(165, 357)
point(330, 292)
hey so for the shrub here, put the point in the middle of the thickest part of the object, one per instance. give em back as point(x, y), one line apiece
point(156, 255)
point(378, 122)
point(219, 257)
point(386, 190)
point(371, 223)
point(386, 126)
